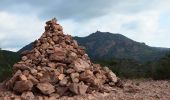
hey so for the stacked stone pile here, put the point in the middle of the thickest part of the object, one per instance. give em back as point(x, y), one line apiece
point(57, 67)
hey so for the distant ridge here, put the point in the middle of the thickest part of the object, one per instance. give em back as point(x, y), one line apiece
point(106, 45)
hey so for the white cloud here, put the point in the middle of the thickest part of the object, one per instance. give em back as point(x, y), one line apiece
point(146, 29)
point(18, 30)
point(140, 20)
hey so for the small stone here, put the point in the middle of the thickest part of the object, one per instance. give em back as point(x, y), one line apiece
point(75, 44)
point(27, 96)
point(106, 69)
point(75, 80)
point(58, 55)
point(46, 88)
point(73, 55)
point(24, 58)
point(60, 69)
point(20, 66)
point(112, 77)
point(79, 89)
point(70, 70)
point(61, 90)
point(74, 88)
point(39, 74)
point(11, 82)
point(86, 75)
point(50, 51)
point(33, 79)
point(23, 77)
point(55, 95)
point(63, 82)
point(21, 86)
point(26, 72)
point(45, 46)
point(55, 39)
point(75, 77)
point(82, 89)
point(80, 65)
point(61, 76)
point(52, 65)
point(33, 71)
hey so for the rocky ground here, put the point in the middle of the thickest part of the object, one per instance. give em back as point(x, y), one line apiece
point(142, 90)
point(133, 90)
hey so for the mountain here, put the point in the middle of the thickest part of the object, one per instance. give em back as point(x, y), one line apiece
point(7, 59)
point(162, 68)
point(105, 45)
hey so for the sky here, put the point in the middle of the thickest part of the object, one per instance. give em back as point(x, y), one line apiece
point(23, 21)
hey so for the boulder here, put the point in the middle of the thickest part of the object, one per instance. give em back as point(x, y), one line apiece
point(46, 88)
point(21, 86)
point(27, 96)
point(75, 77)
point(79, 89)
point(61, 90)
point(11, 82)
point(63, 82)
point(80, 65)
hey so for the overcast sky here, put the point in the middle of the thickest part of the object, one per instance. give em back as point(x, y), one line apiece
point(22, 21)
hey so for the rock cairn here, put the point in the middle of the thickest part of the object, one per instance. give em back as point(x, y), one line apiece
point(57, 67)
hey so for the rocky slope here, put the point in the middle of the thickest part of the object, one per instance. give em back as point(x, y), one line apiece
point(57, 67)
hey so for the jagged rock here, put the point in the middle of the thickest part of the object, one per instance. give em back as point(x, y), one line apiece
point(33, 71)
point(63, 82)
point(54, 96)
point(61, 76)
point(46, 88)
point(70, 70)
point(11, 82)
point(23, 77)
point(82, 89)
point(24, 58)
point(74, 88)
point(59, 54)
point(33, 79)
point(80, 65)
point(20, 67)
point(112, 76)
point(75, 77)
point(26, 73)
point(87, 76)
point(40, 75)
point(27, 96)
point(21, 86)
point(78, 88)
point(52, 65)
point(61, 90)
